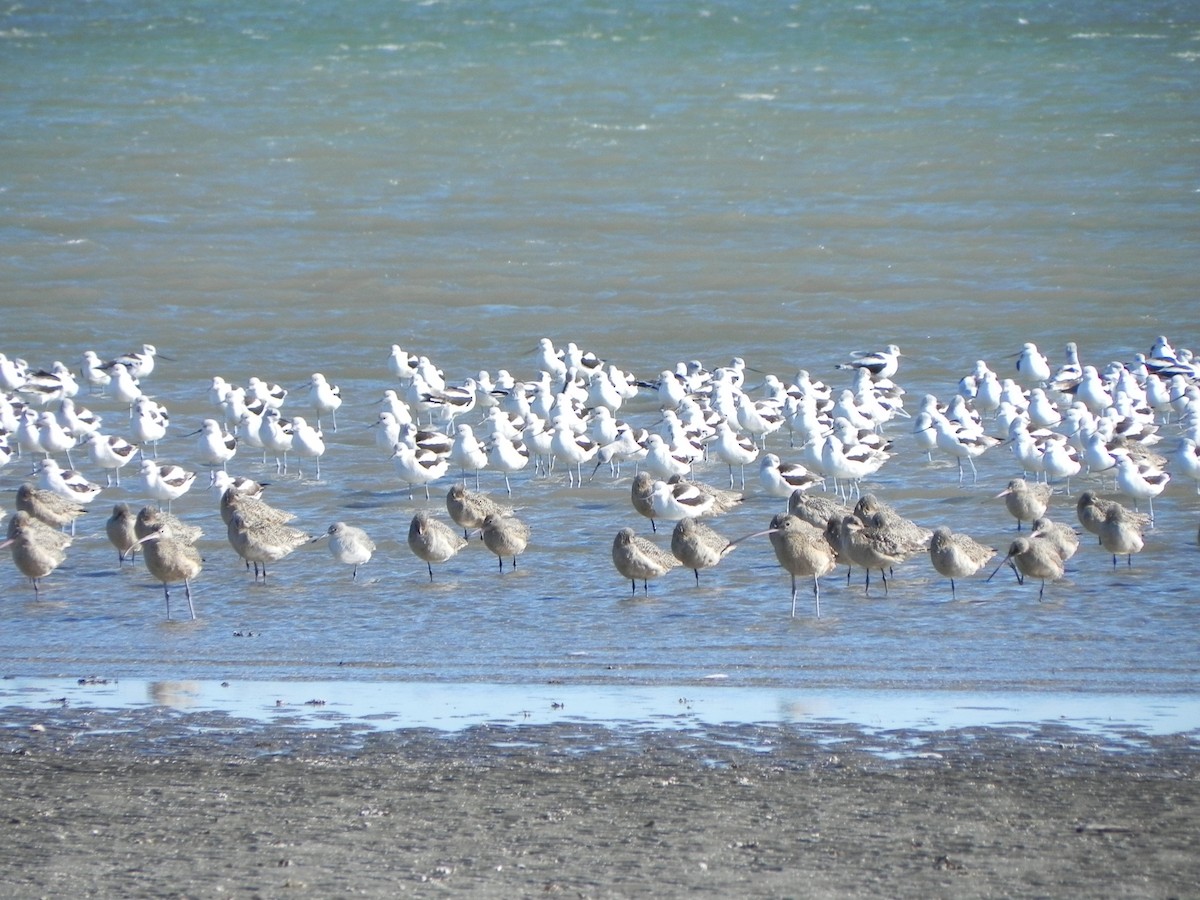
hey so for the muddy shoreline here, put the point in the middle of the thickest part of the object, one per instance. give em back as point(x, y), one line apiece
point(159, 803)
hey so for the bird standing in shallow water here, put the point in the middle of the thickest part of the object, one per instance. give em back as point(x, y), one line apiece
point(1032, 559)
point(170, 558)
point(433, 541)
point(1025, 501)
point(37, 549)
point(636, 558)
point(957, 555)
point(1121, 534)
point(802, 550)
point(349, 545)
point(697, 546)
point(505, 536)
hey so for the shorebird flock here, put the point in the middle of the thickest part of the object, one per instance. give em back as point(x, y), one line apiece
point(687, 433)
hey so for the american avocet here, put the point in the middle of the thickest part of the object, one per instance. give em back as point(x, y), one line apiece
point(469, 508)
point(325, 398)
point(1060, 460)
point(149, 423)
point(432, 540)
point(388, 433)
point(1067, 376)
point(307, 443)
point(1032, 366)
point(550, 360)
point(1092, 392)
point(880, 363)
point(418, 466)
point(802, 550)
point(661, 459)
point(507, 457)
point(672, 502)
point(276, 434)
point(425, 440)
point(67, 483)
point(638, 559)
point(48, 386)
point(1121, 534)
point(120, 533)
point(28, 435)
point(53, 439)
point(1043, 412)
point(48, 507)
point(851, 464)
point(241, 484)
point(125, 387)
point(697, 546)
point(572, 449)
point(781, 479)
point(960, 442)
point(1062, 538)
point(400, 411)
point(401, 363)
point(505, 536)
point(13, 373)
point(139, 363)
point(1187, 460)
point(733, 449)
point(110, 453)
point(451, 401)
point(349, 545)
point(37, 550)
point(1140, 484)
point(170, 559)
point(76, 420)
point(216, 446)
point(263, 543)
point(166, 482)
point(957, 555)
point(467, 453)
point(1032, 559)
point(269, 395)
point(1025, 501)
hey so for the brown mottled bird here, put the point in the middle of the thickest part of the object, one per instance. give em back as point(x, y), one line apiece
point(957, 555)
point(433, 541)
point(636, 558)
point(802, 550)
point(37, 549)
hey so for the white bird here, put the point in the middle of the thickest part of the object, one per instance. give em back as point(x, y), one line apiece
point(139, 363)
point(68, 484)
point(1139, 484)
point(52, 438)
point(1032, 367)
point(276, 434)
point(125, 387)
point(166, 482)
point(110, 453)
point(418, 466)
point(783, 479)
point(216, 446)
point(733, 450)
point(307, 442)
point(507, 456)
point(150, 422)
point(93, 372)
point(880, 363)
point(270, 395)
point(672, 502)
point(349, 545)
point(326, 398)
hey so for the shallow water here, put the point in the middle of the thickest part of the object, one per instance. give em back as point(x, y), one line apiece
point(261, 192)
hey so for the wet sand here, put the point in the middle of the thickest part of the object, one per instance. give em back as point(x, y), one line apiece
point(158, 803)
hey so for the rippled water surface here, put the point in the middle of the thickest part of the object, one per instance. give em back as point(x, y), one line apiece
point(275, 190)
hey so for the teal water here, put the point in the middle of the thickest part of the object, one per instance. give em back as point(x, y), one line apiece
point(277, 189)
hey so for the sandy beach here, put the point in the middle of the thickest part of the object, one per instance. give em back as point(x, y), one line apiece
point(154, 803)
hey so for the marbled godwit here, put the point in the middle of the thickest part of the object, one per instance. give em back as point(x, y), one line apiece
point(802, 550)
point(1032, 559)
point(171, 559)
point(1026, 501)
point(433, 541)
point(37, 549)
point(505, 536)
point(637, 558)
point(957, 555)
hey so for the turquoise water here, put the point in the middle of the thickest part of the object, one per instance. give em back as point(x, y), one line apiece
point(277, 189)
